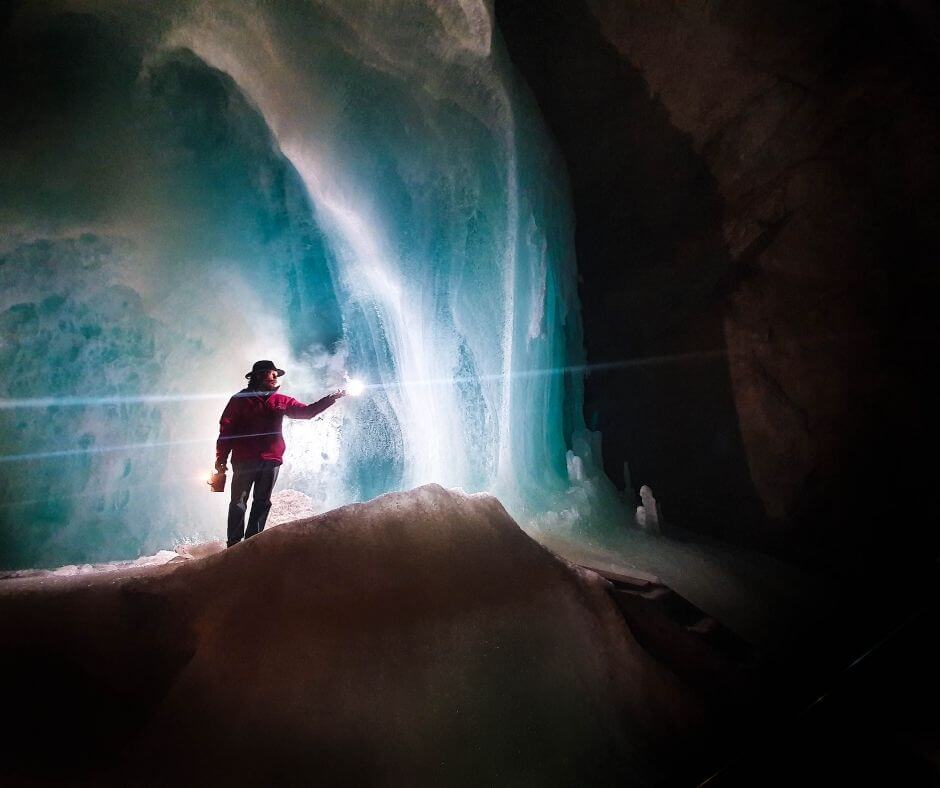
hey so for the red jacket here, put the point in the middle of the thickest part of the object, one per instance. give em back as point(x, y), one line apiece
point(250, 427)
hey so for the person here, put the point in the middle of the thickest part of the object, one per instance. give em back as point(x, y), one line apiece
point(250, 428)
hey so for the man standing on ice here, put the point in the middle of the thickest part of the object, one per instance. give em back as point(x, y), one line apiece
point(250, 428)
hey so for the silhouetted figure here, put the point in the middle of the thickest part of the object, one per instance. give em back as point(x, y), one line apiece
point(250, 428)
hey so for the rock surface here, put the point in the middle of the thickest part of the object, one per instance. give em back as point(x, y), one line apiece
point(755, 187)
point(421, 638)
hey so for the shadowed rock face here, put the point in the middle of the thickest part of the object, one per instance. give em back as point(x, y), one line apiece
point(755, 188)
point(421, 638)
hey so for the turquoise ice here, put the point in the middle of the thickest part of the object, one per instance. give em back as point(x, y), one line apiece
point(349, 188)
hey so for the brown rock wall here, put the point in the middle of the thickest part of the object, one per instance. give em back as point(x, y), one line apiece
point(798, 140)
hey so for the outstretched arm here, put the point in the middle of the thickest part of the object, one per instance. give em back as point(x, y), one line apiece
point(297, 410)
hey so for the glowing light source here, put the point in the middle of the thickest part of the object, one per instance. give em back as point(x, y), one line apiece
point(354, 387)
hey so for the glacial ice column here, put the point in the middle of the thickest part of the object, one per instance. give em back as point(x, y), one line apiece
point(446, 212)
point(344, 186)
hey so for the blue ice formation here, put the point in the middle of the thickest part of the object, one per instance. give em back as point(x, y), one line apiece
point(349, 188)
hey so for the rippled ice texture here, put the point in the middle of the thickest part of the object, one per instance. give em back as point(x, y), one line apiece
point(346, 187)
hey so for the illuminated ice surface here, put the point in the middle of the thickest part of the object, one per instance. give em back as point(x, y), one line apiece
point(349, 188)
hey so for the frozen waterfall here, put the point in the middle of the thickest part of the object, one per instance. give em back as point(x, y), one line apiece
point(349, 188)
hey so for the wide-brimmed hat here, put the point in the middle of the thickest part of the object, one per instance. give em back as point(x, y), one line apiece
point(264, 366)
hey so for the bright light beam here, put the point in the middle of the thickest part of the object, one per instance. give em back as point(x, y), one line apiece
point(64, 402)
point(533, 373)
point(46, 402)
point(72, 401)
point(43, 455)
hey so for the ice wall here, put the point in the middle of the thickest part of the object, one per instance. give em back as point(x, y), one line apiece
point(346, 187)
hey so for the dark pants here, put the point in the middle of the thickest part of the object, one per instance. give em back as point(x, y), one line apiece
point(262, 475)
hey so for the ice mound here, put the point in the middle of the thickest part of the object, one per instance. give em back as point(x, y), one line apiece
point(420, 638)
point(70, 570)
point(290, 505)
point(286, 506)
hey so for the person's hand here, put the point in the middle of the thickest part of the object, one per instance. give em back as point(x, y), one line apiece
point(339, 393)
point(220, 466)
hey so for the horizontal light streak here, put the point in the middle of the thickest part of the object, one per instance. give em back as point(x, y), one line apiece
point(72, 401)
point(43, 455)
point(49, 401)
point(65, 402)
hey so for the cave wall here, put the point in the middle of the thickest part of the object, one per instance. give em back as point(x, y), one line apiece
point(755, 190)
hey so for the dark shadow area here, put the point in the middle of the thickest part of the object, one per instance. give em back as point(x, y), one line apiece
point(870, 721)
point(653, 272)
point(78, 695)
point(774, 395)
point(780, 396)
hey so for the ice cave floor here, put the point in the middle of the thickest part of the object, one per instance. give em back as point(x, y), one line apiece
point(419, 638)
